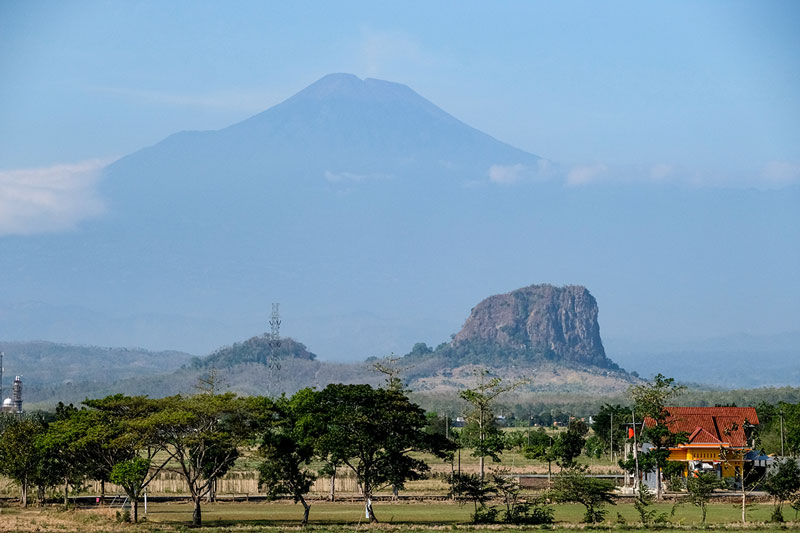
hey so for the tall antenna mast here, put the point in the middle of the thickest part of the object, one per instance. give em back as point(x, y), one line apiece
point(274, 336)
point(1, 375)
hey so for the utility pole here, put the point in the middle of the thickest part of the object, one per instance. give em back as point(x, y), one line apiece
point(611, 436)
point(635, 453)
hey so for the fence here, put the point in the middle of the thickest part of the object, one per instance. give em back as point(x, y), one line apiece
point(171, 483)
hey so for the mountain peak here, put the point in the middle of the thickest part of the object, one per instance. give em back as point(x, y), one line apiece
point(349, 86)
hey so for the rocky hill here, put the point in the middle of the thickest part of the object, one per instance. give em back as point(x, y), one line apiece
point(538, 321)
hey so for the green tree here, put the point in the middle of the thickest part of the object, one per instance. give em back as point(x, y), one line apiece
point(470, 487)
point(782, 483)
point(542, 448)
point(131, 475)
point(700, 488)
point(593, 447)
point(569, 444)
point(201, 435)
point(574, 486)
point(481, 433)
point(288, 447)
point(20, 457)
point(65, 446)
point(117, 437)
point(650, 400)
point(374, 432)
point(609, 425)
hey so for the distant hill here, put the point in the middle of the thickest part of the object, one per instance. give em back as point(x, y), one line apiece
point(546, 335)
point(260, 350)
point(731, 361)
point(48, 363)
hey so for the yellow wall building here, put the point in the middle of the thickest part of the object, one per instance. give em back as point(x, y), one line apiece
point(718, 438)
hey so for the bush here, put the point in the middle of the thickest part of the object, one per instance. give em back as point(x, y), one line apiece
point(574, 485)
point(530, 514)
point(484, 515)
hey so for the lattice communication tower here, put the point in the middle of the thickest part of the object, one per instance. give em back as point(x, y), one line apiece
point(274, 336)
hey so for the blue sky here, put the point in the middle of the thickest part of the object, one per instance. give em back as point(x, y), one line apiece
point(701, 92)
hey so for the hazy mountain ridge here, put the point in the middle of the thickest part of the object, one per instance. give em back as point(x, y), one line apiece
point(47, 363)
point(204, 229)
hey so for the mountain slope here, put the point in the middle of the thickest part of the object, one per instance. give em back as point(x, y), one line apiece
point(375, 218)
point(338, 132)
point(46, 363)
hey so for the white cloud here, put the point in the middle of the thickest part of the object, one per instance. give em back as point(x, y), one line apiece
point(511, 174)
point(780, 173)
point(49, 199)
point(582, 175)
point(507, 174)
point(660, 172)
point(352, 177)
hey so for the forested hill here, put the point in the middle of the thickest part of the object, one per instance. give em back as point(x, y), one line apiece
point(40, 362)
point(255, 350)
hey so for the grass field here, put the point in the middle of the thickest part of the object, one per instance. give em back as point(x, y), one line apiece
point(343, 517)
point(427, 513)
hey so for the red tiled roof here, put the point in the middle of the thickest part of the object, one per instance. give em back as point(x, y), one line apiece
point(722, 425)
point(701, 436)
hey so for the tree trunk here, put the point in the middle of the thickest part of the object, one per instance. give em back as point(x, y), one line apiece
point(210, 493)
point(24, 493)
point(66, 492)
point(135, 510)
point(197, 517)
point(744, 506)
point(40, 495)
point(332, 494)
point(370, 512)
point(658, 482)
point(395, 493)
point(306, 510)
point(481, 437)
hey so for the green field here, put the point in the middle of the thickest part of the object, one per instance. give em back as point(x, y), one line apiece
point(343, 517)
point(407, 513)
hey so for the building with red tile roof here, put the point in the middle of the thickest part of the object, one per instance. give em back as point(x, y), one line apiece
point(711, 433)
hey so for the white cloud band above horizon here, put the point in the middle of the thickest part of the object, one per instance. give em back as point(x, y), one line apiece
point(49, 199)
